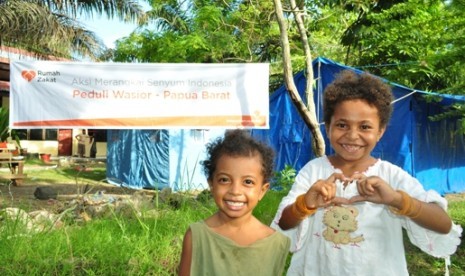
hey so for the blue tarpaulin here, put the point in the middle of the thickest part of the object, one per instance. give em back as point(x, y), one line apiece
point(138, 158)
point(158, 159)
point(433, 152)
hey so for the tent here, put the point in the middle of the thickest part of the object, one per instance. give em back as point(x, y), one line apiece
point(158, 159)
point(433, 152)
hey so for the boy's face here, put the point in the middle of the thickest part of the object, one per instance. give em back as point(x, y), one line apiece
point(354, 130)
point(237, 185)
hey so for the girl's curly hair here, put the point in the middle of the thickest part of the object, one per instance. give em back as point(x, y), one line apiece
point(238, 143)
point(349, 85)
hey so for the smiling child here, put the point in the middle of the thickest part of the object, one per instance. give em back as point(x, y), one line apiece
point(232, 241)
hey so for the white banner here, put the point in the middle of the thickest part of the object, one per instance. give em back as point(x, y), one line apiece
point(52, 94)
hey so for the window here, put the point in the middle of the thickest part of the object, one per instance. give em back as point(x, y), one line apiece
point(100, 134)
point(36, 134)
point(21, 133)
point(52, 134)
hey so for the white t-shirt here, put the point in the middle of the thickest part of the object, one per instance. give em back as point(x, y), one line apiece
point(363, 238)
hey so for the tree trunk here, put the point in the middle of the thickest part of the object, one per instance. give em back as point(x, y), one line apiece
point(307, 113)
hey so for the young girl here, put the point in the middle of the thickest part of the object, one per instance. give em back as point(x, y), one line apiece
point(232, 241)
point(345, 212)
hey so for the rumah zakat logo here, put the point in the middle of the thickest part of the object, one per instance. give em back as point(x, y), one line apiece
point(28, 75)
point(40, 76)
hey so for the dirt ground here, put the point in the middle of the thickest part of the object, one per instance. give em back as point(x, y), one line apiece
point(455, 197)
point(22, 196)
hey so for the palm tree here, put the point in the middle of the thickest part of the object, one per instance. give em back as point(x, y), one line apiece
point(50, 27)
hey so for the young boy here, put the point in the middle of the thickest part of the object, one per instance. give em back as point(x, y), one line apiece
point(232, 241)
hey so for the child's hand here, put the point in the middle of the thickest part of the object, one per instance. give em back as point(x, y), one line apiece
point(373, 189)
point(323, 192)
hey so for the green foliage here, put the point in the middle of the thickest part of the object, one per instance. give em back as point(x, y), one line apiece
point(207, 32)
point(50, 27)
point(4, 123)
point(5, 130)
point(78, 174)
point(415, 43)
point(284, 179)
point(205, 196)
point(268, 206)
point(454, 111)
point(119, 245)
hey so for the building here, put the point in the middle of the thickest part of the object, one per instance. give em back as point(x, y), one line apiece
point(57, 142)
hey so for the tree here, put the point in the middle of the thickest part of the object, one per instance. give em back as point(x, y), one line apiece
point(415, 43)
point(206, 31)
point(48, 27)
point(229, 31)
point(403, 41)
point(308, 113)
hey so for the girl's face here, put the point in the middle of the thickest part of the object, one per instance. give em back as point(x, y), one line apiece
point(237, 185)
point(354, 131)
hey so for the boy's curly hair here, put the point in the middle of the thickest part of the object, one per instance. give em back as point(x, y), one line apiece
point(349, 85)
point(238, 143)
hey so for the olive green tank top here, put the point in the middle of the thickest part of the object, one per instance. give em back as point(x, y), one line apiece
point(214, 254)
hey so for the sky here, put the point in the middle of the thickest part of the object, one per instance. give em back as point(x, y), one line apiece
point(109, 30)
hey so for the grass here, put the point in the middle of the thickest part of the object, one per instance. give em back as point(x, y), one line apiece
point(40, 172)
point(111, 246)
point(121, 245)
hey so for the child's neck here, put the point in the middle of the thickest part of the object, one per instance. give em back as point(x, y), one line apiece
point(349, 168)
point(243, 231)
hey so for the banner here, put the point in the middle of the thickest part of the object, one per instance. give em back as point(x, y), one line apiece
point(53, 94)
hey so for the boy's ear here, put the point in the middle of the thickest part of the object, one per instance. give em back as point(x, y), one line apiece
point(381, 133)
point(263, 190)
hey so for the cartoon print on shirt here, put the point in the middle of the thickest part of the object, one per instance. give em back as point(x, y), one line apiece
point(340, 222)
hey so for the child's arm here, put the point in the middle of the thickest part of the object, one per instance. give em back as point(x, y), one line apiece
point(320, 194)
point(186, 255)
point(428, 215)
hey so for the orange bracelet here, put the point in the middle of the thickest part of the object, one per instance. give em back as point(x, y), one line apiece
point(300, 210)
point(410, 208)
